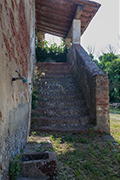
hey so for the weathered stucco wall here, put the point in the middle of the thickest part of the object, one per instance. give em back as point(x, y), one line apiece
point(95, 86)
point(17, 52)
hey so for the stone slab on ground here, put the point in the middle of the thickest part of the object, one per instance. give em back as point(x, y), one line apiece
point(38, 164)
point(26, 178)
point(108, 138)
point(33, 147)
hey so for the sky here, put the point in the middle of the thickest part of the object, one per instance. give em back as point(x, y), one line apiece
point(103, 30)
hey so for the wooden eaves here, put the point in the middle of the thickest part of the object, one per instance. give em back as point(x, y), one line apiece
point(56, 16)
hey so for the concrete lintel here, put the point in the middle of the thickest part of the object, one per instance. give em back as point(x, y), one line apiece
point(76, 31)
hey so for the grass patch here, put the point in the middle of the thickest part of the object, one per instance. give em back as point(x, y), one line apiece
point(87, 157)
point(115, 126)
point(114, 111)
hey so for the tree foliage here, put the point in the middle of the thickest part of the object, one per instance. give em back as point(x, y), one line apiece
point(109, 63)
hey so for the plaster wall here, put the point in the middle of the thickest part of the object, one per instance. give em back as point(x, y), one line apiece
point(17, 52)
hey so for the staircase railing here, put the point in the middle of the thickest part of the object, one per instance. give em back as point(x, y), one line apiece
point(94, 84)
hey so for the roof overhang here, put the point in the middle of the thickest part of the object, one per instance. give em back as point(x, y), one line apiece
point(56, 16)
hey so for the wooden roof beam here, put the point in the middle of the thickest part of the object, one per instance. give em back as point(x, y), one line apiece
point(51, 31)
point(51, 13)
point(58, 15)
point(52, 21)
point(67, 3)
point(56, 5)
point(57, 27)
point(91, 4)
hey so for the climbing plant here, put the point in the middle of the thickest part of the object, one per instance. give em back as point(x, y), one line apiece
point(14, 169)
point(52, 53)
point(34, 98)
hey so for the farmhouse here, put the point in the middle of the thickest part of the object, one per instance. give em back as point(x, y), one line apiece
point(18, 21)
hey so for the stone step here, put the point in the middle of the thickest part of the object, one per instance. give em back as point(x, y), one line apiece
point(61, 103)
point(64, 111)
point(60, 97)
point(54, 83)
point(56, 76)
point(54, 68)
point(59, 78)
point(59, 91)
point(80, 128)
point(62, 121)
point(58, 94)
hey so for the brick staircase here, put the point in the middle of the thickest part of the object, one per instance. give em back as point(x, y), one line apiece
point(61, 106)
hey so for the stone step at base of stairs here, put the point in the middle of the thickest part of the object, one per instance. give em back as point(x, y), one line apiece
point(55, 121)
point(78, 129)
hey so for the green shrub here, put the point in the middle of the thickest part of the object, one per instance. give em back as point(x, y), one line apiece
point(54, 53)
point(109, 63)
point(34, 98)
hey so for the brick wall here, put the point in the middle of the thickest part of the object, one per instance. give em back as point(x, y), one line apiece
point(102, 103)
point(17, 52)
point(16, 34)
point(94, 84)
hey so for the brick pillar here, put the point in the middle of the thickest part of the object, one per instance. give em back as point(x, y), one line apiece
point(102, 103)
point(76, 31)
point(68, 42)
point(40, 38)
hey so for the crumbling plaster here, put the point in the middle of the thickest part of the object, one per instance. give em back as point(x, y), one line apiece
point(17, 52)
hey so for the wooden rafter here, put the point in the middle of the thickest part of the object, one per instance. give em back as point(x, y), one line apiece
point(56, 16)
